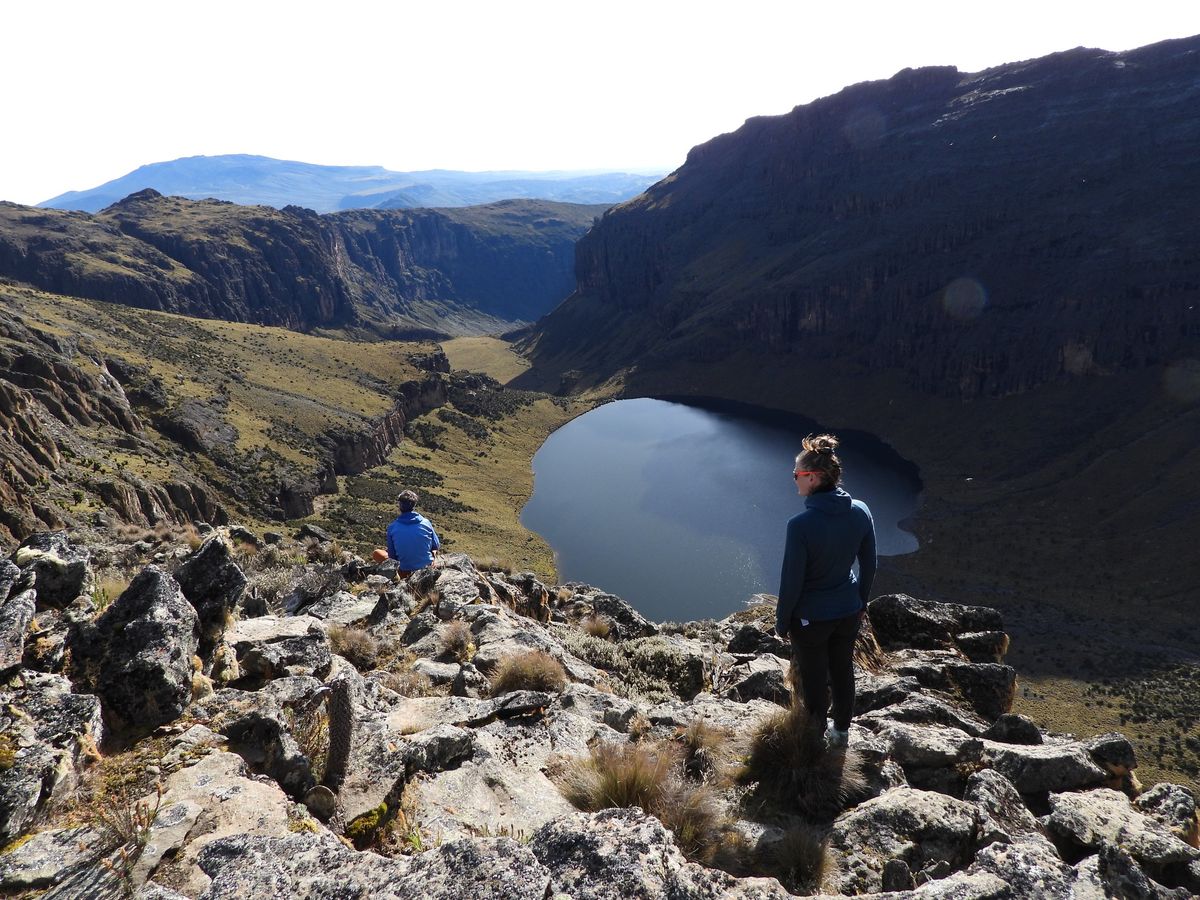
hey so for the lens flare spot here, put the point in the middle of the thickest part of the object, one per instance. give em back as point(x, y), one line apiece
point(1182, 380)
point(964, 298)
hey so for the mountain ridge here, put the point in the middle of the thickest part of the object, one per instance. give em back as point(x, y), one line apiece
point(251, 180)
point(391, 272)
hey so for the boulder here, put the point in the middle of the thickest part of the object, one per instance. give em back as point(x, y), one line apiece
point(759, 678)
point(48, 858)
point(138, 655)
point(343, 608)
point(61, 570)
point(1114, 873)
point(308, 530)
point(1039, 768)
point(9, 575)
point(16, 613)
point(925, 829)
point(901, 621)
point(988, 687)
point(751, 638)
point(1014, 728)
point(1174, 806)
point(1089, 821)
point(999, 799)
point(1031, 867)
point(627, 621)
point(875, 690)
point(214, 584)
point(625, 854)
point(1114, 753)
point(209, 801)
point(46, 733)
point(318, 866)
point(925, 709)
point(607, 709)
point(270, 647)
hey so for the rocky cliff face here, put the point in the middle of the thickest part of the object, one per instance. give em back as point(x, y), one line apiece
point(486, 721)
point(447, 271)
point(978, 234)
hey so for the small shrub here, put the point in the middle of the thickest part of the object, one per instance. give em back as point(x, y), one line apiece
point(457, 640)
point(124, 825)
point(356, 645)
point(533, 670)
point(597, 626)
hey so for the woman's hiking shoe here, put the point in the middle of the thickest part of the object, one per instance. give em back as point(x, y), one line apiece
point(836, 739)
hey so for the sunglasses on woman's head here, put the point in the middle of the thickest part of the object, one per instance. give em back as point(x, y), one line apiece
point(799, 472)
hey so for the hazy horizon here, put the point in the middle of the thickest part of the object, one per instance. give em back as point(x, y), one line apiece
point(530, 86)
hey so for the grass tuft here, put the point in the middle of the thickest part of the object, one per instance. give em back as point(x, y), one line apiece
point(533, 670)
point(790, 766)
point(358, 646)
point(648, 776)
point(703, 746)
point(597, 627)
point(457, 640)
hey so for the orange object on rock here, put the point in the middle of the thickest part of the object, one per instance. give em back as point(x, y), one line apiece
point(379, 555)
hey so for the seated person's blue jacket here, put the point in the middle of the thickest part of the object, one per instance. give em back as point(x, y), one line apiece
point(817, 582)
point(411, 541)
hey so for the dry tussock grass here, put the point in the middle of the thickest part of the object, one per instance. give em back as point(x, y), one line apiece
point(533, 670)
point(356, 645)
point(790, 767)
point(597, 626)
point(457, 640)
point(649, 776)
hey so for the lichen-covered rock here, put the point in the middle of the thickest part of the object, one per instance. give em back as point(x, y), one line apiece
point(902, 621)
point(258, 728)
point(760, 678)
point(925, 709)
point(46, 731)
point(321, 868)
point(988, 687)
point(923, 828)
point(624, 854)
point(1114, 753)
point(996, 796)
point(62, 570)
point(608, 709)
point(48, 858)
point(1093, 820)
point(753, 638)
point(211, 800)
point(1014, 728)
point(214, 584)
point(16, 613)
point(269, 647)
point(1065, 766)
point(1031, 867)
point(628, 622)
point(1174, 806)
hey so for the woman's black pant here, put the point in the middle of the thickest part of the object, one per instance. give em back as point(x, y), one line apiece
point(823, 659)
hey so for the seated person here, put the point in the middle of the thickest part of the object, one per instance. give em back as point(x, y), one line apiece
point(411, 540)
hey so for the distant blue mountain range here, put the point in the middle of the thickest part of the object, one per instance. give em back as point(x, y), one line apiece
point(260, 180)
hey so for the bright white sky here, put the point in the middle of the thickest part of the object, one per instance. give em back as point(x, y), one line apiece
point(91, 90)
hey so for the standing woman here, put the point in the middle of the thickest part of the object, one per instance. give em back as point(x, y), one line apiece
point(821, 602)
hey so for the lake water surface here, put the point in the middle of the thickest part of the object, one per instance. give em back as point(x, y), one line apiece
point(681, 510)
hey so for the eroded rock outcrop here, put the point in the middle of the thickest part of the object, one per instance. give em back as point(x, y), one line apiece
point(453, 788)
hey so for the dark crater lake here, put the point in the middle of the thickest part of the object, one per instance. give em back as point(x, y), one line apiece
point(681, 509)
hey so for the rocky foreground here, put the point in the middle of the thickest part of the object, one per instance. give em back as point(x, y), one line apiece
point(253, 718)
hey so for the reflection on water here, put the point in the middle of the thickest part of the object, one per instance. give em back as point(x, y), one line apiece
point(682, 510)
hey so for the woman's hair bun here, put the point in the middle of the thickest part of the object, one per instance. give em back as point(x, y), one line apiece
point(820, 443)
